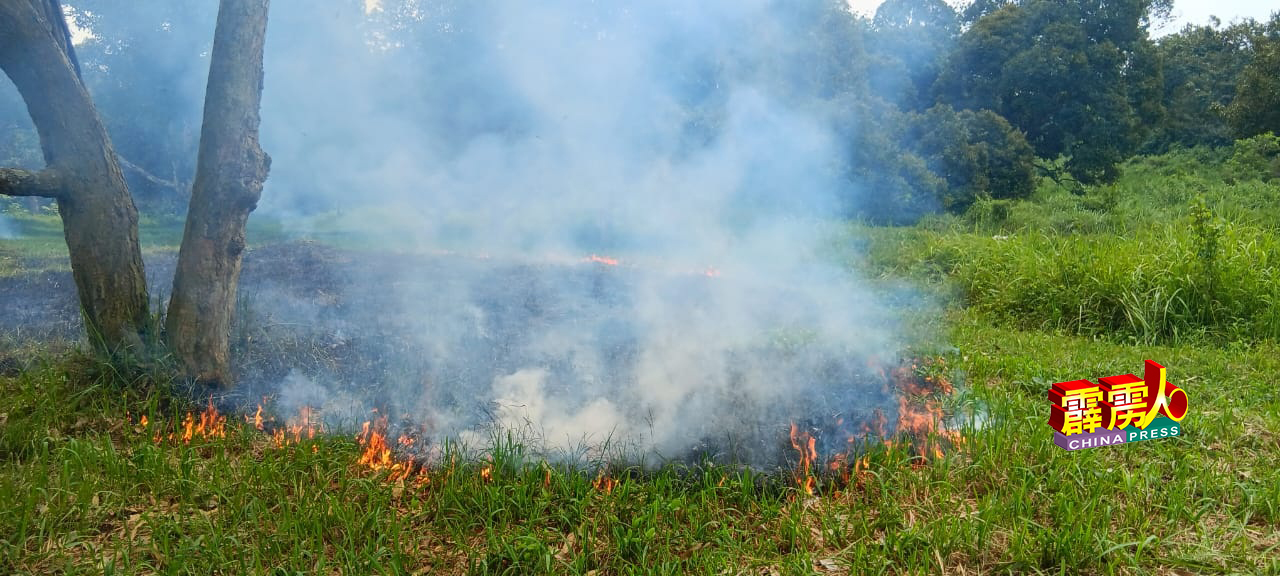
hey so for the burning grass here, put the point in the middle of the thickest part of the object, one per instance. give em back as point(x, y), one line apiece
point(920, 430)
point(85, 491)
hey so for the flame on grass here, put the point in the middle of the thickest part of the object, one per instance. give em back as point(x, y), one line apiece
point(920, 427)
point(304, 426)
point(206, 424)
point(256, 421)
point(604, 482)
point(805, 444)
point(377, 454)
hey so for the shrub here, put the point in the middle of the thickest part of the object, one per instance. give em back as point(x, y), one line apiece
point(1253, 158)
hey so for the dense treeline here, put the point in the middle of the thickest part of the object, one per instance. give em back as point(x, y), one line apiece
point(938, 107)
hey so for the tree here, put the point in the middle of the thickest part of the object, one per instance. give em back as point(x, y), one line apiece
point(1256, 106)
point(99, 217)
point(81, 173)
point(977, 153)
point(1075, 76)
point(139, 66)
point(1200, 66)
point(910, 39)
point(230, 170)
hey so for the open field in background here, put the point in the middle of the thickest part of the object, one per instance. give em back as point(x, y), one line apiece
point(1060, 287)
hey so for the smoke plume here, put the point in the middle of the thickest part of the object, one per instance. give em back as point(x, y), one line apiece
point(495, 147)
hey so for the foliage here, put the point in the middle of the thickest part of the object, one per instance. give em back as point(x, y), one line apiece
point(1076, 77)
point(146, 69)
point(977, 153)
point(1200, 66)
point(910, 39)
point(1164, 255)
point(1256, 157)
point(1256, 107)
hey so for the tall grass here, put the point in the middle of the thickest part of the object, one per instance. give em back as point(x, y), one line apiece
point(1163, 255)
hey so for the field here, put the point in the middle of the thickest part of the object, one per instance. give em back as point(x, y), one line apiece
point(1173, 263)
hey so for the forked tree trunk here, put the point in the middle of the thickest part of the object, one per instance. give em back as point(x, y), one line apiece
point(99, 220)
point(230, 170)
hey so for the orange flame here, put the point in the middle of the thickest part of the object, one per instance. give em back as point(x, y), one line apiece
point(377, 455)
point(257, 418)
point(210, 424)
point(294, 430)
point(805, 444)
point(604, 483)
point(920, 415)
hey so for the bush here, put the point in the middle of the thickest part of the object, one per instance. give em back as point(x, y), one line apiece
point(1256, 158)
point(978, 154)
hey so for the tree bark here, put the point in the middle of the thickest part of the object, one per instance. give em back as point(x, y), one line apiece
point(99, 219)
point(19, 182)
point(230, 170)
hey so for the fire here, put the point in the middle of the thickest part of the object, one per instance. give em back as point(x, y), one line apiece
point(210, 424)
point(602, 260)
point(377, 455)
point(805, 444)
point(604, 482)
point(257, 418)
point(920, 415)
point(919, 426)
point(305, 425)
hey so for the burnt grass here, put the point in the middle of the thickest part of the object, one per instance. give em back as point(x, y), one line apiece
point(348, 331)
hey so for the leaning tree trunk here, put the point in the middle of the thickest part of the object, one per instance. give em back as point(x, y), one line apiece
point(99, 220)
point(230, 170)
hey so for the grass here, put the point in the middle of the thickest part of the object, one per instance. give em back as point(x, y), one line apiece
point(88, 491)
point(1055, 288)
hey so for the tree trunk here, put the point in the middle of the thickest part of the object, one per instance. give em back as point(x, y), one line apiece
point(99, 220)
point(230, 170)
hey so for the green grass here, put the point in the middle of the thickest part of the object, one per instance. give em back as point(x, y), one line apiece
point(87, 491)
point(1056, 288)
point(40, 245)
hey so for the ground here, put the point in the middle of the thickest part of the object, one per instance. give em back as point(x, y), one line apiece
point(86, 488)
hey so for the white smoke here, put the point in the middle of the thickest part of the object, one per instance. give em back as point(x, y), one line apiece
point(672, 136)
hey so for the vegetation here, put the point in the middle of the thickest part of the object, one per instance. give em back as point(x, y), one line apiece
point(1052, 288)
point(1076, 196)
point(1093, 88)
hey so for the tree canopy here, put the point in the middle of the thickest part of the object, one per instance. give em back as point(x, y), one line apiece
point(934, 104)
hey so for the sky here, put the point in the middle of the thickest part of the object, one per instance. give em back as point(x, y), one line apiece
point(1184, 11)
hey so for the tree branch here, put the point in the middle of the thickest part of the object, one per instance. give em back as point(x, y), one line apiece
point(174, 184)
point(18, 182)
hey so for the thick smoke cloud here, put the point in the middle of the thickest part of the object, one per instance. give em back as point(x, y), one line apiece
point(690, 141)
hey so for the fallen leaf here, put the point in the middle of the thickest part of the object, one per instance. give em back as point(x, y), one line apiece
point(829, 565)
